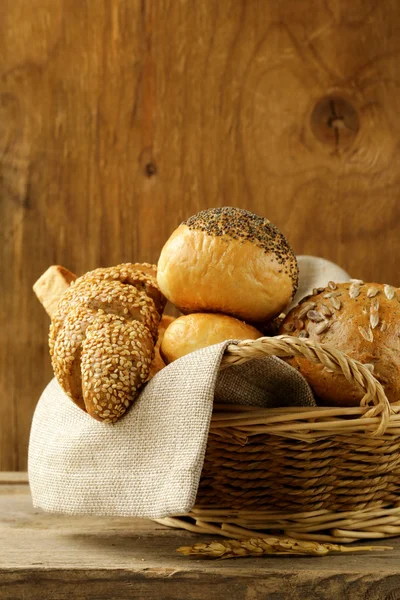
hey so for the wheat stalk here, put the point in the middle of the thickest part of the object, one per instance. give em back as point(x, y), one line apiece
point(268, 546)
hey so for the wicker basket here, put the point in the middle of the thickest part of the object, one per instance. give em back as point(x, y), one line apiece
point(326, 474)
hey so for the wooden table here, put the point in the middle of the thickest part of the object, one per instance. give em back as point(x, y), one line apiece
point(61, 557)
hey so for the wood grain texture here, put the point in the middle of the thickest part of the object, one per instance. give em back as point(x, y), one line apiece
point(119, 119)
point(70, 558)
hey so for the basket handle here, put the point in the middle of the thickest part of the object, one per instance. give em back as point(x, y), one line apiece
point(285, 346)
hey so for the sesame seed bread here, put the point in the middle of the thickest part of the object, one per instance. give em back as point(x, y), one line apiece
point(111, 297)
point(102, 339)
point(192, 332)
point(228, 260)
point(51, 286)
point(360, 319)
point(141, 276)
point(110, 394)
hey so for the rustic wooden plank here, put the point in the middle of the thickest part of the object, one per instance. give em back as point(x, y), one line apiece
point(10, 477)
point(119, 119)
point(65, 557)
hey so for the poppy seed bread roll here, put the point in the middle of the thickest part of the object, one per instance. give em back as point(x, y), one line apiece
point(360, 319)
point(228, 260)
point(192, 332)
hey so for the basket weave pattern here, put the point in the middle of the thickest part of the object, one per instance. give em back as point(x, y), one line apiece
point(342, 473)
point(313, 473)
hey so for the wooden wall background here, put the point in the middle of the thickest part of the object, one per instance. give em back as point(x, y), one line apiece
point(119, 118)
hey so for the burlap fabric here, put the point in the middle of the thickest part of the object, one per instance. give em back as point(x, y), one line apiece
point(149, 463)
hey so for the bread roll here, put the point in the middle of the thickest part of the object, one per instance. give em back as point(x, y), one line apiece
point(192, 332)
point(360, 319)
point(102, 338)
point(140, 276)
point(51, 286)
point(228, 260)
point(158, 363)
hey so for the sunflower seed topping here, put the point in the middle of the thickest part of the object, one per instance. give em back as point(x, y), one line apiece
point(374, 319)
point(374, 305)
point(357, 281)
point(289, 327)
point(389, 291)
point(305, 308)
point(366, 333)
point(383, 326)
point(335, 303)
point(315, 316)
point(372, 292)
point(326, 311)
point(354, 290)
point(365, 310)
point(303, 334)
point(298, 323)
point(332, 294)
point(370, 367)
point(332, 285)
point(322, 327)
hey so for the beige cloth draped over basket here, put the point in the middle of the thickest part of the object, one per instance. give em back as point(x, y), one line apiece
point(311, 472)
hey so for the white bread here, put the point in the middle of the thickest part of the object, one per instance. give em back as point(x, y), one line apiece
point(228, 260)
point(192, 332)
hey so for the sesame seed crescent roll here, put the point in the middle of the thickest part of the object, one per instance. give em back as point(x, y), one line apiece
point(110, 385)
point(102, 338)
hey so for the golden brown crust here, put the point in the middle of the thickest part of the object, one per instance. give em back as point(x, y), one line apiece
point(104, 330)
point(112, 388)
point(158, 363)
point(112, 297)
point(50, 287)
point(65, 342)
point(228, 261)
point(192, 332)
point(140, 276)
point(362, 320)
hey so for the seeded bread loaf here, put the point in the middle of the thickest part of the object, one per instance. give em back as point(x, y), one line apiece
point(228, 260)
point(102, 338)
point(192, 332)
point(362, 320)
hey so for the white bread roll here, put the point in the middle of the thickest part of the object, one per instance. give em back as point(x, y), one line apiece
point(228, 260)
point(192, 332)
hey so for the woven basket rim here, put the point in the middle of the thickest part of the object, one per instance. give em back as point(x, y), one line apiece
point(368, 427)
point(375, 415)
